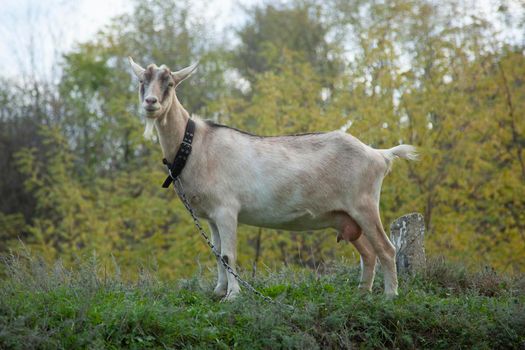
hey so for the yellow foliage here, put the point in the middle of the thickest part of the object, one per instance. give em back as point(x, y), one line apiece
point(412, 76)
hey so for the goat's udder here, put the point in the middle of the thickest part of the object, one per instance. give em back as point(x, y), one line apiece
point(348, 230)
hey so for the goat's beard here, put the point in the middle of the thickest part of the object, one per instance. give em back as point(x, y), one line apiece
point(149, 134)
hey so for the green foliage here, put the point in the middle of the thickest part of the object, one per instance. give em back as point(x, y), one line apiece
point(126, 216)
point(273, 30)
point(54, 307)
point(76, 175)
point(10, 227)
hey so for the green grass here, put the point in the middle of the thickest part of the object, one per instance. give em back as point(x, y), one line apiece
point(444, 307)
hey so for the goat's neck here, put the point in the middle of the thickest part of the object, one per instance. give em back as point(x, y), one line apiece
point(170, 128)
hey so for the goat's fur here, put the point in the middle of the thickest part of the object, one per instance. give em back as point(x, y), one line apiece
point(301, 182)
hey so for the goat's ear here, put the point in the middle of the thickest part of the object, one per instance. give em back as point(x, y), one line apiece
point(139, 71)
point(182, 74)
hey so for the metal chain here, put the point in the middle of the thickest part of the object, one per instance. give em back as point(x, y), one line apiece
point(196, 221)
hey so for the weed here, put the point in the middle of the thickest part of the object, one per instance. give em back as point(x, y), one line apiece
point(46, 306)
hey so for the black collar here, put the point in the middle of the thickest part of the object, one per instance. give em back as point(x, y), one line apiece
point(182, 155)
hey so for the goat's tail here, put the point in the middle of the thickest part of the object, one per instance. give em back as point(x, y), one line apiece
point(402, 151)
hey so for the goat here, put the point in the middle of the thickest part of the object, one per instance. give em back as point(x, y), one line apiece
point(301, 182)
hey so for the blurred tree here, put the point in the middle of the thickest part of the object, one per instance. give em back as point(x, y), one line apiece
point(422, 77)
point(77, 176)
point(24, 106)
point(125, 217)
point(273, 31)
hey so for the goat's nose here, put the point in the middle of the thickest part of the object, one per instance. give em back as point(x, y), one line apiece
point(151, 100)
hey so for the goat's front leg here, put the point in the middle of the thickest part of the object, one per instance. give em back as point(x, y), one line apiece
point(222, 281)
point(226, 223)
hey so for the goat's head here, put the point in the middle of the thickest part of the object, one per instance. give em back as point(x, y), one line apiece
point(157, 86)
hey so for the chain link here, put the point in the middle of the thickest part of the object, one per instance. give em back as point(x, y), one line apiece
point(196, 221)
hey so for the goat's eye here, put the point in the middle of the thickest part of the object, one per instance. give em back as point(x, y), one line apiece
point(170, 84)
point(141, 81)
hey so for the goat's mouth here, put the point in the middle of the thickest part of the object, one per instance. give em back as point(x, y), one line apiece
point(151, 110)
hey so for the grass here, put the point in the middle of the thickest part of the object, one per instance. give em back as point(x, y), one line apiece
point(443, 307)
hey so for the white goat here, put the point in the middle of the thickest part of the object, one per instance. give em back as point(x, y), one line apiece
point(302, 182)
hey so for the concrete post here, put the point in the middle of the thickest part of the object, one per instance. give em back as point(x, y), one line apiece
point(407, 233)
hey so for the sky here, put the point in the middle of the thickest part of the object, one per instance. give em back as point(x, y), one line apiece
point(34, 33)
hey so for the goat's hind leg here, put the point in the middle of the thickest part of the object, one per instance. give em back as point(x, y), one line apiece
point(367, 216)
point(350, 231)
point(368, 262)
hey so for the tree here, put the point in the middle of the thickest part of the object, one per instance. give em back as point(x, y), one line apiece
point(77, 175)
point(273, 31)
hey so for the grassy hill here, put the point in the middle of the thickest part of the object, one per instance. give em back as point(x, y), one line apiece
point(444, 307)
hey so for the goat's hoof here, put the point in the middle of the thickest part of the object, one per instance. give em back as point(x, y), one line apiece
point(391, 296)
point(364, 290)
point(231, 295)
point(220, 290)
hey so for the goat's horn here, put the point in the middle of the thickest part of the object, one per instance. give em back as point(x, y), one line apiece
point(139, 71)
point(184, 72)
